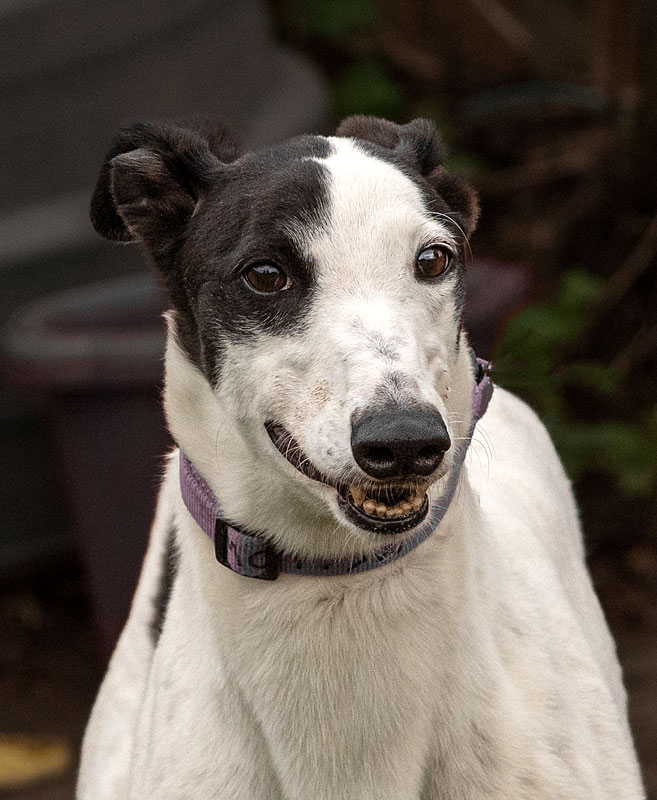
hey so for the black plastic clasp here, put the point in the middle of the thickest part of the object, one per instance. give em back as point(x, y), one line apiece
point(221, 542)
point(480, 370)
point(262, 562)
point(272, 564)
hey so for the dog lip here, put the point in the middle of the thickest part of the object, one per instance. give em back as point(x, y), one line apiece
point(289, 448)
point(379, 524)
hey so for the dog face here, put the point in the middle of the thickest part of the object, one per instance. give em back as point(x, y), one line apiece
point(316, 338)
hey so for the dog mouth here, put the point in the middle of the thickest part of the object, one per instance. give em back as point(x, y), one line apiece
point(384, 509)
point(376, 507)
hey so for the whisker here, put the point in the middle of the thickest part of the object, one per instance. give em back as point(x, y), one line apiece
point(442, 215)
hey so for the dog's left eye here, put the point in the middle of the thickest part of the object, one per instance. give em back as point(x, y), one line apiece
point(267, 278)
point(432, 262)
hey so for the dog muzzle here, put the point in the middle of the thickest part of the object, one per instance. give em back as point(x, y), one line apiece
point(252, 555)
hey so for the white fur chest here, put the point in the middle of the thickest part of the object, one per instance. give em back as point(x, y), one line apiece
point(412, 682)
point(337, 679)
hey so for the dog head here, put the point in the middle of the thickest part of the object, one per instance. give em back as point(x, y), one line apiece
point(317, 371)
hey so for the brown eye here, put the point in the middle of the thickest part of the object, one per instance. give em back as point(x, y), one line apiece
point(432, 262)
point(267, 278)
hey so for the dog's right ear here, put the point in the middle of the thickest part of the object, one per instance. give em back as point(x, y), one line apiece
point(419, 145)
point(152, 179)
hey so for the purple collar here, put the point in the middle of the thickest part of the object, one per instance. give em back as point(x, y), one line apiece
point(252, 555)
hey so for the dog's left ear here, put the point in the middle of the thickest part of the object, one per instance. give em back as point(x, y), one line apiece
point(419, 146)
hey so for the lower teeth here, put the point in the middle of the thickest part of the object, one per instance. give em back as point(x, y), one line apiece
point(373, 508)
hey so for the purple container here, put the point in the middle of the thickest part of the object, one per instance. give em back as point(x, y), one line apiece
point(96, 355)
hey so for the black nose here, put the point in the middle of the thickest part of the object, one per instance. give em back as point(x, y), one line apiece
point(398, 442)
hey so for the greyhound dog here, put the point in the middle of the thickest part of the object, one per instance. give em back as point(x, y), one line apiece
point(344, 598)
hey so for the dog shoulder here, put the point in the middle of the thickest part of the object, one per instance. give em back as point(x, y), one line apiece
point(522, 482)
point(519, 441)
point(518, 420)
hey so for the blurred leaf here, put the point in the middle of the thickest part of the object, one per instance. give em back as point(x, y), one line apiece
point(593, 377)
point(579, 292)
point(529, 360)
point(620, 450)
point(366, 88)
point(334, 19)
point(531, 346)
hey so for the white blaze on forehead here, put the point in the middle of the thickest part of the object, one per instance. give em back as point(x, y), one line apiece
point(377, 215)
point(371, 315)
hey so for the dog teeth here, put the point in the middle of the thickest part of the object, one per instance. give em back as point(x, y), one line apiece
point(357, 494)
point(377, 508)
point(394, 512)
point(369, 507)
point(417, 501)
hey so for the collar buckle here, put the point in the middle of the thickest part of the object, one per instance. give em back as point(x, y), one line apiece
point(245, 553)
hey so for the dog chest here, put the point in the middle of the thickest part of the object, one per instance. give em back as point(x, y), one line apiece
point(336, 680)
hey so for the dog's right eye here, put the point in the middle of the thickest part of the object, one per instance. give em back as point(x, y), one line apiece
point(266, 278)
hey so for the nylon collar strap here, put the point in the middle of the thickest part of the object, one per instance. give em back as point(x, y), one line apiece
point(251, 555)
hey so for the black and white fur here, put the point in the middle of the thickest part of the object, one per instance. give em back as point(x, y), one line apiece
point(479, 665)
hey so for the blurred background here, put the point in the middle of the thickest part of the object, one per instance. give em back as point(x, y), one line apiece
point(549, 107)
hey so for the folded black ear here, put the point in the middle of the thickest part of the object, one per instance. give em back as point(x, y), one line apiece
point(419, 146)
point(461, 199)
point(152, 178)
point(417, 143)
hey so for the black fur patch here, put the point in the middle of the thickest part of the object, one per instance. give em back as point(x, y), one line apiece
point(203, 214)
point(417, 143)
point(164, 164)
point(168, 574)
point(245, 220)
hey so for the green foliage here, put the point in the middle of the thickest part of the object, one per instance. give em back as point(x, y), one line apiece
point(622, 450)
point(333, 19)
point(531, 349)
point(366, 88)
point(581, 402)
point(360, 83)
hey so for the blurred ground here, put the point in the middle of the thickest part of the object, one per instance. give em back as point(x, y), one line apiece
point(630, 604)
point(49, 668)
